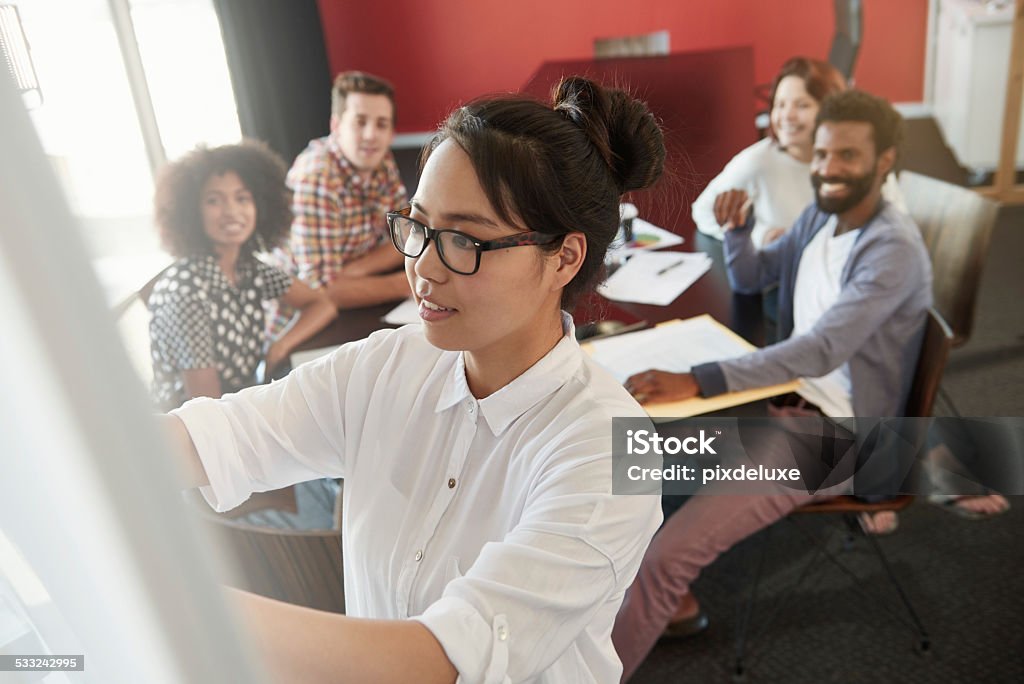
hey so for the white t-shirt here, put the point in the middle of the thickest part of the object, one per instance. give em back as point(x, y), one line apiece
point(779, 186)
point(490, 521)
point(818, 282)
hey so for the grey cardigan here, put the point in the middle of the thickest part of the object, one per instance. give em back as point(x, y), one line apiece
point(876, 324)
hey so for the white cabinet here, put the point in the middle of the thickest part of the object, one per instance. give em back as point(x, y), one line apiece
point(971, 53)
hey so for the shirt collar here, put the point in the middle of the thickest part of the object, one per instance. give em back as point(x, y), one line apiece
point(543, 378)
point(244, 269)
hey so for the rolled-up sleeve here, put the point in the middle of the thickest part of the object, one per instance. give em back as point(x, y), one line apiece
point(272, 436)
point(478, 648)
point(229, 484)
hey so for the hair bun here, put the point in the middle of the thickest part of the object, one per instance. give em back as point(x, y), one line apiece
point(619, 126)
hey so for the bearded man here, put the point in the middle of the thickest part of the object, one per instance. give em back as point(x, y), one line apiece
point(854, 282)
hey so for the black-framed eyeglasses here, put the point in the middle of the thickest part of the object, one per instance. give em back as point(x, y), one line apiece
point(459, 252)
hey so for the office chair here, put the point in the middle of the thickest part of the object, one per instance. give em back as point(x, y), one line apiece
point(956, 224)
point(935, 347)
point(303, 567)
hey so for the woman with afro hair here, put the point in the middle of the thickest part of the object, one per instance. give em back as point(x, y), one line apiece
point(215, 208)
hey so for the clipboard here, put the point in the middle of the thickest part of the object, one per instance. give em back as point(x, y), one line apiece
point(708, 334)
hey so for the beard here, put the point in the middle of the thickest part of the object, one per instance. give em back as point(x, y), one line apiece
point(859, 187)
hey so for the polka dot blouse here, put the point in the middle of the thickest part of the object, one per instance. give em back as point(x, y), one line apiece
point(200, 320)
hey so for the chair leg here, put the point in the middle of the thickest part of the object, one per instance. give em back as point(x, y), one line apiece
point(924, 641)
point(852, 531)
point(858, 584)
point(741, 664)
point(744, 656)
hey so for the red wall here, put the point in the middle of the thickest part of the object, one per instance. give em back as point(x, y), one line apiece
point(439, 53)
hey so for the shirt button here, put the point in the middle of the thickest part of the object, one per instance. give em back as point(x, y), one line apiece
point(451, 483)
point(419, 555)
point(502, 634)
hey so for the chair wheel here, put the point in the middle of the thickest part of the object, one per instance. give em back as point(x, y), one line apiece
point(924, 646)
point(739, 675)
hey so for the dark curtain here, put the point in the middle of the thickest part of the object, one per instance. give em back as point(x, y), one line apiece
point(279, 71)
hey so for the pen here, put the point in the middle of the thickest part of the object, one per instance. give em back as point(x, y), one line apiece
point(670, 267)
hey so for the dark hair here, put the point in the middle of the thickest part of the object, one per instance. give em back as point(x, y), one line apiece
point(561, 168)
point(821, 79)
point(177, 202)
point(360, 82)
point(856, 105)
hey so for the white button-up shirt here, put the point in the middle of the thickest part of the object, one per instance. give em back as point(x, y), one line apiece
point(492, 522)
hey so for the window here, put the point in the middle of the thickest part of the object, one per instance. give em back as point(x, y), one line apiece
point(87, 55)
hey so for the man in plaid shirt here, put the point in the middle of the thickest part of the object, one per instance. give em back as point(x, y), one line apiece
point(343, 185)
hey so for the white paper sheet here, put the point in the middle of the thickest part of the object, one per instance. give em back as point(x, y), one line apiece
point(676, 348)
point(405, 313)
point(655, 277)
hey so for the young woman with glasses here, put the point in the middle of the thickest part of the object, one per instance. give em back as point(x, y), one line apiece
point(482, 538)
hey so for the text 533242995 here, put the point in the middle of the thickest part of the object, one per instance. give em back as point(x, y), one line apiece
point(42, 663)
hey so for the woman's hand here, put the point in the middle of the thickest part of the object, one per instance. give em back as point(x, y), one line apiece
point(732, 208)
point(656, 386)
point(275, 357)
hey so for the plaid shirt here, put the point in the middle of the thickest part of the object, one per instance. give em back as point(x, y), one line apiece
point(339, 211)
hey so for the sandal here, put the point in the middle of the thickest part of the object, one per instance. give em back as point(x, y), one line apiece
point(952, 503)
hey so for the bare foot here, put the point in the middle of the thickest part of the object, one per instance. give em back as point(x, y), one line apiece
point(880, 523)
point(984, 505)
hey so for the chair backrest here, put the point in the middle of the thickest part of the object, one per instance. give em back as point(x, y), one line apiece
point(303, 567)
point(133, 325)
point(147, 290)
point(931, 362)
point(956, 224)
point(132, 316)
point(140, 295)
